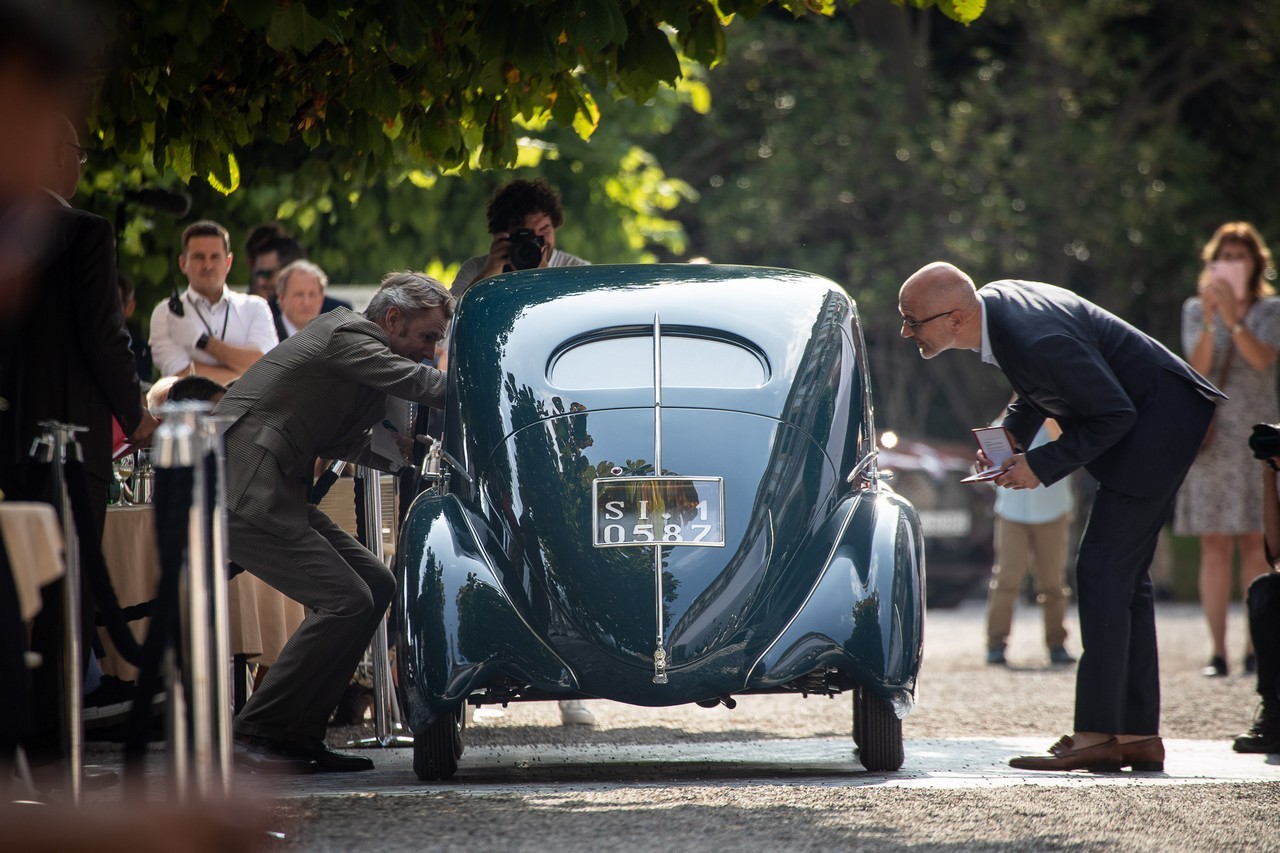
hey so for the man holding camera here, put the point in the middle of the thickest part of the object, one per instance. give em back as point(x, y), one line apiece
point(523, 217)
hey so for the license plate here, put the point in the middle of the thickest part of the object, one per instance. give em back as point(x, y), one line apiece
point(629, 511)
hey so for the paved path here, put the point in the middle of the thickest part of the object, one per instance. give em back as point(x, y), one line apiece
point(950, 763)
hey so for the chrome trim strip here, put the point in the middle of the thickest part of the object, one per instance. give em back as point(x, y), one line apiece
point(659, 653)
point(864, 462)
point(657, 395)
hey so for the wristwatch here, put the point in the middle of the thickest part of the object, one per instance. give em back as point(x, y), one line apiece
point(203, 341)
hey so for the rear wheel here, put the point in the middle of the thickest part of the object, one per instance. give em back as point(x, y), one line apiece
point(877, 731)
point(437, 750)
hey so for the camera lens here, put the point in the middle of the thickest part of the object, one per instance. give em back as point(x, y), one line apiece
point(525, 252)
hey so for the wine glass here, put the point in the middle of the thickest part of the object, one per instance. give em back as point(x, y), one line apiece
point(144, 484)
point(124, 471)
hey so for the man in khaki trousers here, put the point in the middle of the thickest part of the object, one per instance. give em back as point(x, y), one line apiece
point(1032, 527)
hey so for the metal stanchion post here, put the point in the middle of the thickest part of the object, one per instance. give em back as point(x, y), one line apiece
point(214, 428)
point(175, 446)
point(382, 697)
point(52, 446)
point(183, 439)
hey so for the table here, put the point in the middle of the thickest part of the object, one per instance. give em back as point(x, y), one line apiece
point(262, 618)
point(33, 539)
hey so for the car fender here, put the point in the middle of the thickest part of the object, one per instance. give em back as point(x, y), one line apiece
point(456, 617)
point(865, 613)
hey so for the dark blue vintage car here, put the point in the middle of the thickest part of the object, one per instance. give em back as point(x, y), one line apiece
point(658, 485)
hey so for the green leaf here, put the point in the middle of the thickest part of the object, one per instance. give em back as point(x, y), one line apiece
point(704, 41)
point(293, 28)
point(598, 25)
point(254, 14)
point(405, 26)
point(587, 118)
point(393, 129)
point(228, 181)
point(534, 48)
point(964, 11)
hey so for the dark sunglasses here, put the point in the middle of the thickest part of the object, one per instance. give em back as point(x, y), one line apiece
point(264, 273)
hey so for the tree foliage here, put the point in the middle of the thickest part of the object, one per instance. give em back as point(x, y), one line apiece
point(442, 85)
point(1092, 145)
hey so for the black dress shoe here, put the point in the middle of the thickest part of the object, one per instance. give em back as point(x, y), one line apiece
point(316, 750)
point(263, 755)
point(1264, 735)
point(1216, 668)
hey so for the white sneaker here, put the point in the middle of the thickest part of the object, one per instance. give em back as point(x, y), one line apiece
point(574, 713)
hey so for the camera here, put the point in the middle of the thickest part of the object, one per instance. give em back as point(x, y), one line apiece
point(1265, 441)
point(525, 252)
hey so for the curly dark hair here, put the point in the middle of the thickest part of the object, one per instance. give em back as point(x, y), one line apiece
point(515, 200)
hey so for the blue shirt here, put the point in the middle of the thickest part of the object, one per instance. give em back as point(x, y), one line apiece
point(1038, 505)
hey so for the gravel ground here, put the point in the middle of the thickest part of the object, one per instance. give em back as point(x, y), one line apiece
point(961, 696)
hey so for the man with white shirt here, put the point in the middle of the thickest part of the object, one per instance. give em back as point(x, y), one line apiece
point(300, 294)
point(209, 330)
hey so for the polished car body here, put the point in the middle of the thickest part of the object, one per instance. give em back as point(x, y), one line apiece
point(592, 411)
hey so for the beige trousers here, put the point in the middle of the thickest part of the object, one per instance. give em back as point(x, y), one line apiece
point(1041, 548)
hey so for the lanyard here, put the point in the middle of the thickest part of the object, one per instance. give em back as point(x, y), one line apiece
point(226, 318)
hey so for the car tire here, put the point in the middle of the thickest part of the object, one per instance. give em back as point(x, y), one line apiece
point(437, 750)
point(877, 731)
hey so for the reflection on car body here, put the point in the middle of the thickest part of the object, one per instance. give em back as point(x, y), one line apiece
point(646, 501)
point(957, 519)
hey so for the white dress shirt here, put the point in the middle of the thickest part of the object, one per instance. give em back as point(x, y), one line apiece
point(240, 319)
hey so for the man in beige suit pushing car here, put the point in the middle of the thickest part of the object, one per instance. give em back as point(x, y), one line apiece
point(317, 395)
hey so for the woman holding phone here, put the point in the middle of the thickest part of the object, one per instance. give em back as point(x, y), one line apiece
point(1230, 334)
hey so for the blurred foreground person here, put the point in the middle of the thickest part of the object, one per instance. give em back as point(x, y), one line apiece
point(317, 395)
point(1230, 333)
point(1133, 415)
point(65, 356)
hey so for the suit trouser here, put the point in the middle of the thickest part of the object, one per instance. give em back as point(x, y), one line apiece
point(346, 591)
point(1118, 677)
point(1263, 600)
point(1042, 547)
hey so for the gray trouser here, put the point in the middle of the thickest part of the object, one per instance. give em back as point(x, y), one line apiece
point(346, 591)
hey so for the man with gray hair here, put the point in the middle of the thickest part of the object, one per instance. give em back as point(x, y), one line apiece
point(300, 294)
point(318, 394)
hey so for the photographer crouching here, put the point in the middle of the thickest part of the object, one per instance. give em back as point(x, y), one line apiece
point(1263, 601)
point(523, 216)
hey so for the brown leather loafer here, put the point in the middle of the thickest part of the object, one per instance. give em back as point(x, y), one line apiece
point(1145, 756)
point(1104, 757)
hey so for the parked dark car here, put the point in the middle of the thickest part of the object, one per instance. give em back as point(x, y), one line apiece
point(958, 518)
point(658, 485)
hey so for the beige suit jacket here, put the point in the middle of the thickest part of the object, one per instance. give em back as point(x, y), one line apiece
point(315, 395)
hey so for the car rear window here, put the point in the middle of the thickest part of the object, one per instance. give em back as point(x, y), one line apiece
point(626, 361)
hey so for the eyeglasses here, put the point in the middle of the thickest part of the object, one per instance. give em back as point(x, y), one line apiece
point(84, 153)
point(264, 273)
point(918, 323)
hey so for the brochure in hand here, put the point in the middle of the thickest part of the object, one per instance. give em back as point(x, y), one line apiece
point(997, 444)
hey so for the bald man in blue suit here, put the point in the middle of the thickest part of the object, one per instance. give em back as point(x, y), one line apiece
point(1133, 415)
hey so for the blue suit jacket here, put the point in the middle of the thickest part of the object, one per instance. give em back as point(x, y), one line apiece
point(1122, 398)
